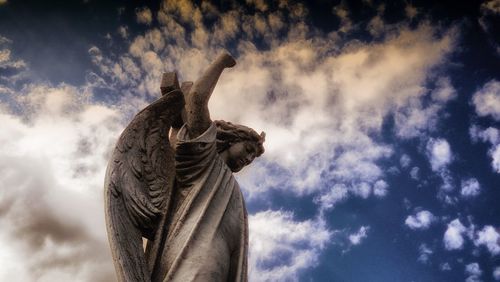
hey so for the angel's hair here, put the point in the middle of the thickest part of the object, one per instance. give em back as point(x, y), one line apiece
point(230, 133)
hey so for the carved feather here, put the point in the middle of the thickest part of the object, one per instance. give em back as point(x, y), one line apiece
point(139, 183)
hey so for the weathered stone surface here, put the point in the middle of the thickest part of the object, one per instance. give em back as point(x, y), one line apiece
point(169, 82)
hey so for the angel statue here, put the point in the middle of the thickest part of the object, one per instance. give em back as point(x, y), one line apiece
point(170, 182)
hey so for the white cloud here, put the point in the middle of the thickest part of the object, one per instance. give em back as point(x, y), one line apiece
point(281, 247)
point(439, 153)
point(495, 156)
point(440, 156)
point(445, 266)
point(488, 237)
point(470, 188)
point(421, 220)
point(404, 161)
point(414, 119)
point(453, 237)
point(414, 173)
point(492, 136)
point(473, 271)
point(496, 273)
point(424, 253)
point(144, 15)
point(337, 194)
point(359, 236)
point(487, 100)
point(380, 188)
point(53, 160)
point(362, 190)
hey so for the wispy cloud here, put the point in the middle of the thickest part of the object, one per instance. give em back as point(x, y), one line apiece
point(359, 236)
point(425, 252)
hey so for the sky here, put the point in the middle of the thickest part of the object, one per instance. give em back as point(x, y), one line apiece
point(382, 124)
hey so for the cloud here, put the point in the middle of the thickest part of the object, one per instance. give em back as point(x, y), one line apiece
point(453, 237)
point(11, 68)
point(411, 11)
point(440, 156)
point(445, 266)
point(470, 188)
point(362, 190)
point(342, 12)
point(340, 192)
point(473, 271)
point(273, 85)
point(487, 100)
point(123, 31)
point(380, 188)
point(488, 237)
point(337, 194)
point(420, 221)
point(359, 236)
point(144, 15)
point(53, 158)
point(416, 119)
point(439, 153)
point(414, 173)
point(492, 136)
point(404, 161)
point(258, 4)
point(496, 273)
point(491, 7)
point(281, 247)
point(487, 103)
point(424, 253)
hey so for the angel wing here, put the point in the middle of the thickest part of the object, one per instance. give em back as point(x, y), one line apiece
point(139, 183)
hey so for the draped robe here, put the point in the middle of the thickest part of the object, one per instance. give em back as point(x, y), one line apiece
point(206, 233)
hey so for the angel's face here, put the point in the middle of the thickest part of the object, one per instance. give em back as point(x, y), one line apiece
point(239, 155)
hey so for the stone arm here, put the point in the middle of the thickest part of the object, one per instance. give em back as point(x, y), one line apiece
point(197, 114)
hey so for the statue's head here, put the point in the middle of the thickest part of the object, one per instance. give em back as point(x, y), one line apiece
point(238, 145)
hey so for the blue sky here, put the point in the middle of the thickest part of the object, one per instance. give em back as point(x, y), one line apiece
point(382, 128)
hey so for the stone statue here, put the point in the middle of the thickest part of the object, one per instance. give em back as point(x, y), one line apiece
point(179, 192)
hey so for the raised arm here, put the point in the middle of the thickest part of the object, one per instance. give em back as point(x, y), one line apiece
point(197, 114)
